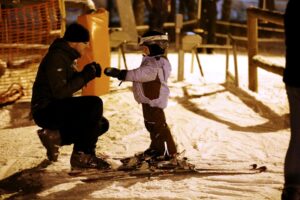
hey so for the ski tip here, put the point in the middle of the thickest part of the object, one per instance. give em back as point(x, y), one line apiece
point(253, 166)
point(259, 169)
point(262, 169)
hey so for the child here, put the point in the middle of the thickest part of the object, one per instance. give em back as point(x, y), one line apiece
point(151, 90)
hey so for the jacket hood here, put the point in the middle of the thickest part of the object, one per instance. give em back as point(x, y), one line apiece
point(63, 45)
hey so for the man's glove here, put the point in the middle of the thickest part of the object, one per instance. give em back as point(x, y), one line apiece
point(116, 73)
point(90, 71)
point(98, 69)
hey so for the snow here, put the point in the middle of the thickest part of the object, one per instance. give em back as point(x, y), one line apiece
point(215, 125)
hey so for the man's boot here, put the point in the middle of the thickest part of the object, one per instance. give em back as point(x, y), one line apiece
point(52, 141)
point(80, 160)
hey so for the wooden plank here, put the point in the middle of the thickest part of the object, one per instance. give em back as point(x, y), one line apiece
point(180, 73)
point(252, 50)
point(253, 14)
point(127, 19)
point(267, 65)
point(270, 16)
point(23, 46)
point(214, 46)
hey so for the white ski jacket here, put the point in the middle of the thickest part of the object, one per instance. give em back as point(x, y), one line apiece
point(151, 69)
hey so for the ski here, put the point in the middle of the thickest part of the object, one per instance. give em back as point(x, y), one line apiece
point(89, 176)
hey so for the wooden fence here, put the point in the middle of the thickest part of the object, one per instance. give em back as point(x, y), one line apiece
point(255, 60)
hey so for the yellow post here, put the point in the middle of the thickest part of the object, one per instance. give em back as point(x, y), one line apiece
point(97, 24)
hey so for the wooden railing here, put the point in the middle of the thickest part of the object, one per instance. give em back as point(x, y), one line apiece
point(254, 59)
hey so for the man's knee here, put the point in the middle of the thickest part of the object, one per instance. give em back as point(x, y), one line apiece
point(103, 125)
point(97, 103)
point(93, 107)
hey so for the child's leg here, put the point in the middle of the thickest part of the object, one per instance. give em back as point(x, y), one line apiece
point(155, 123)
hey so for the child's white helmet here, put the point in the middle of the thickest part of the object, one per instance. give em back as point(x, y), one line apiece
point(154, 37)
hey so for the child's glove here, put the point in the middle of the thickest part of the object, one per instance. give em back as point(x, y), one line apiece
point(116, 73)
point(111, 71)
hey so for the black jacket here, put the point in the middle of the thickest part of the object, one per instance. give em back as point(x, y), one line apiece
point(292, 41)
point(56, 77)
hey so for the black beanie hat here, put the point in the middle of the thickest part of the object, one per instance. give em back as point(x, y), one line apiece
point(76, 33)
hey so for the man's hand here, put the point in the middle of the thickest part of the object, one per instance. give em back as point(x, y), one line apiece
point(98, 69)
point(90, 71)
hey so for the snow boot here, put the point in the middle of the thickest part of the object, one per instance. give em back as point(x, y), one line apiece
point(80, 160)
point(136, 161)
point(152, 153)
point(52, 141)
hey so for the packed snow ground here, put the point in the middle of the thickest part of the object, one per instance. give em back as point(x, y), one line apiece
point(216, 125)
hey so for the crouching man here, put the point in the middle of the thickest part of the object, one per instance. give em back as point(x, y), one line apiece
point(65, 119)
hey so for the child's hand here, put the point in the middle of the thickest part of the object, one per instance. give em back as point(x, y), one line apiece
point(111, 71)
point(116, 73)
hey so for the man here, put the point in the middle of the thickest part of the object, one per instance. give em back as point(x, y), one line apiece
point(66, 119)
point(291, 79)
point(208, 21)
point(158, 13)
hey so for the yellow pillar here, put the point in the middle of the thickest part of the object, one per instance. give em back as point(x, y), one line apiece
point(97, 24)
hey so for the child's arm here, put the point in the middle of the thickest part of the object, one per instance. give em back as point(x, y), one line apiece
point(136, 75)
point(115, 73)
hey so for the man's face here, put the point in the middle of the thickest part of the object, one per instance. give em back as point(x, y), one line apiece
point(81, 47)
